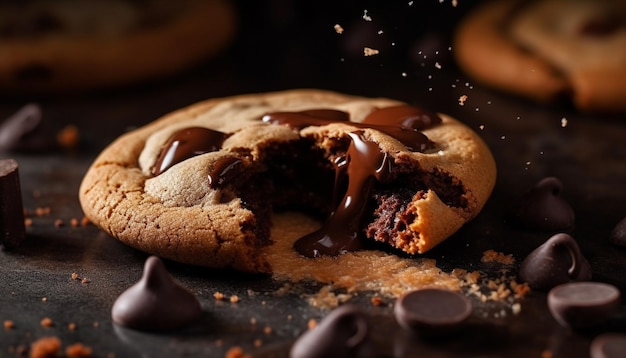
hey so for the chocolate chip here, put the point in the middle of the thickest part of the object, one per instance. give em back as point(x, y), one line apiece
point(608, 345)
point(618, 234)
point(14, 128)
point(542, 207)
point(156, 302)
point(581, 305)
point(557, 261)
point(12, 228)
point(432, 312)
point(343, 333)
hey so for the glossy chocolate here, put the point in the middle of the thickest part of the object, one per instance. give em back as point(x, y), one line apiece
point(608, 345)
point(432, 312)
point(187, 143)
point(582, 305)
point(361, 166)
point(12, 229)
point(542, 207)
point(224, 169)
point(156, 302)
point(363, 163)
point(343, 333)
point(557, 261)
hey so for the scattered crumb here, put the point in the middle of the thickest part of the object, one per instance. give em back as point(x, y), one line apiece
point(44, 299)
point(437, 65)
point(289, 317)
point(28, 222)
point(520, 289)
point(462, 100)
point(218, 296)
point(312, 323)
point(366, 17)
point(74, 222)
point(253, 321)
point(42, 211)
point(516, 308)
point(494, 256)
point(78, 350)
point(45, 347)
point(234, 299)
point(267, 330)
point(47, 322)
point(85, 280)
point(376, 301)
point(74, 276)
point(257, 343)
point(326, 298)
point(8, 324)
point(236, 352)
point(563, 122)
point(71, 326)
point(370, 51)
point(68, 137)
point(338, 29)
point(58, 223)
point(96, 324)
point(84, 221)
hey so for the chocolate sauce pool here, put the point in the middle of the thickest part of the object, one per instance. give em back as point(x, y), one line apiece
point(362, 165)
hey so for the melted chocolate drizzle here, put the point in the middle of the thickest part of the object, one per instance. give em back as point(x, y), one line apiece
point(362, 165)
point(187, 143)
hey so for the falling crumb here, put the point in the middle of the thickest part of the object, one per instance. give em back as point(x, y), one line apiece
point(376, 301)
point(71, 326)
point(312, 323)
point(370, 51)
point(366, 17)
point(462, 100)
point(267, 330)
point(74, 276)
point(8, 324)
point(494, 256)
point(68, 137)
point(218, 296)
point(58, 223)
point(338, 29)
point(45, 347)
point(46, 322)
point(78, 350)
point(563, 122)
point(234, 299)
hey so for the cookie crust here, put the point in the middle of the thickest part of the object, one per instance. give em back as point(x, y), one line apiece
point(175, 215)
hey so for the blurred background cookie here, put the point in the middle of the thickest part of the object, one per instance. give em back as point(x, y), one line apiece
point(74, 45)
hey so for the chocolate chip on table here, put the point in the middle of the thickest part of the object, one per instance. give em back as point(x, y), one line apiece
point(343, 333)
point(557, 261)
point(618, 234)
point(14, 128)
point(12, 228)
point(608, 345)
point(542, 207)
point(432, 312)
point(581, 305)
point(156, 302)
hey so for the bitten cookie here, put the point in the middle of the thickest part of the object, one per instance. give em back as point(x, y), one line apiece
point(549, 49)
point(73, 45)
point(199, 185)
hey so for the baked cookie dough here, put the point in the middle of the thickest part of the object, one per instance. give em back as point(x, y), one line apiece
point(201, 185)
point(549, 49)
point(74, 45)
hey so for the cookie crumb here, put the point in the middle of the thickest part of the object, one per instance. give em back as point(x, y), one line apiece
point(85, 221)
point(78, 350)
point(462, 100)
point(28, 222)
point(367, 51)
point(74, 222)
point(267, 330)
point(85, 280)
point(499, 257)
point(563, 122)
point(42, 211)
point(44, 299)
point(376, 301)
point(45, 347)
point(68, 137)
point(253, 321)
point(312, 323)
point(257, 343)
point(338, 29)
point(234, 299)
point(46, 322)
point(71, 326)
point(218, 296)
point(366, 17)
point(235, 352)
point(8, 324)
point(516, 308)
point(58, 223)
point(74, 276)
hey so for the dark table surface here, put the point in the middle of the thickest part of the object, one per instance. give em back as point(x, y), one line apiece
point(282, 46)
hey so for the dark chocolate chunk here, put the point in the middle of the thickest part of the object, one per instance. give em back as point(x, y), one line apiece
point(223, 171)
point(14, 128)
point(156, 302)
point(581, 305)
point(432, 312)
point(542, 207)
point(557, 261)
point(343, 333)
point(12, 229)
point(618, 234)
point(608, 345)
